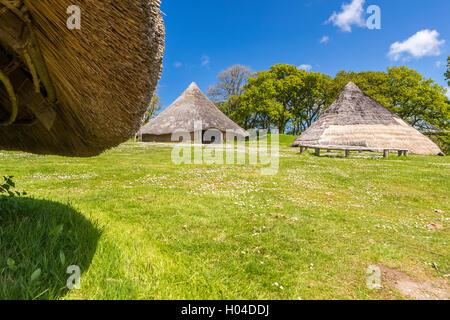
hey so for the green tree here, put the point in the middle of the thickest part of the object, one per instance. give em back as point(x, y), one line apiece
point(311, 99)
point(153, 108)
point(374, 84)
point(420, 101)
point(284, 97)
point(270, 96)
point(447, 74)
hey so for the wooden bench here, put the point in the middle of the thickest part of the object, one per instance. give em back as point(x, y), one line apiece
point(348, 149)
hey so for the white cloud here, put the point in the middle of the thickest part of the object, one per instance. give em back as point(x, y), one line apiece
point(423, 43)
point(306, 67)
point(205, 61)
point(178, 64)
point(324, 39)
point(351, 14)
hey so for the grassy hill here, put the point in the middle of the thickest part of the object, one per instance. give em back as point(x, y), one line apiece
point(141, 227)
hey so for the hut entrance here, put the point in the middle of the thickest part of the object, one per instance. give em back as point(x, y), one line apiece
point(212, 136)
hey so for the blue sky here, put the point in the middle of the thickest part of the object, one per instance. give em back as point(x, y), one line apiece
point(207, 36)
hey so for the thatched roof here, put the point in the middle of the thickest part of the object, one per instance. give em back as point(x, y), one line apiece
point(355, 119)
point(190, 107)
point(104, 75)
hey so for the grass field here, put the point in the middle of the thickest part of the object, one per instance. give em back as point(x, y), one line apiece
point(140, 227)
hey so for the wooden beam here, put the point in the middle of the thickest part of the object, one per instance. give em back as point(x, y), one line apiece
point(302, 150)
point(349, 149)
point(318, 152)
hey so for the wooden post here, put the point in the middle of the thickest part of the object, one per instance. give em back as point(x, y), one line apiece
point(406, 153)
point(318, 152)
point(347, 153)
point(302, 150)
point(386, 154)
point(400, 153)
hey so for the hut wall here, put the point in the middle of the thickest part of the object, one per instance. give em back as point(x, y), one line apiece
point(168, 137)
point(155, 138)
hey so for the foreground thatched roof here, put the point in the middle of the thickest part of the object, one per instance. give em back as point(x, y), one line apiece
point(355, 119)
point(190, 107)
point(104, 74)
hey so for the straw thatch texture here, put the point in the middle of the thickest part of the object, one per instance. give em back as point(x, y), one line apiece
point(190, 107)
point(355, 119)
point(104, 74)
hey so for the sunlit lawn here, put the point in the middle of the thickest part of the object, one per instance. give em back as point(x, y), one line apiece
point(141, 227)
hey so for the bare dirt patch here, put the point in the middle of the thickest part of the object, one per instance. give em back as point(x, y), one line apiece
point(415, 289)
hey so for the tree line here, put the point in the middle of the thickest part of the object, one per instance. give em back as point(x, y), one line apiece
point(290, 99)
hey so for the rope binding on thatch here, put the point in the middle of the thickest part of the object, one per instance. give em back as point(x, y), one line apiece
point(17, 31)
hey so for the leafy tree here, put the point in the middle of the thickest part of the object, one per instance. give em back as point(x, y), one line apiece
point(153, 108)
point(312, 97)
point(447, 74)
point(420, 101)
point(374, 84)
point(284, 97)
point(269, 97)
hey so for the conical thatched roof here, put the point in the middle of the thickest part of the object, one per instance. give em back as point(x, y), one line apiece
point(355, 119)
point(104, 75)
point(190, 107)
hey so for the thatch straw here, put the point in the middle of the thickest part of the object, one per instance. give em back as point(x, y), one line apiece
point(355, 119)
point(104, 74)
point(191, 107)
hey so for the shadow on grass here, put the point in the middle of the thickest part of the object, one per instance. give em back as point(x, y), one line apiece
point(39, 240)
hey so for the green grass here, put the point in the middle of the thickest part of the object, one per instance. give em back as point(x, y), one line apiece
point(141, 227)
